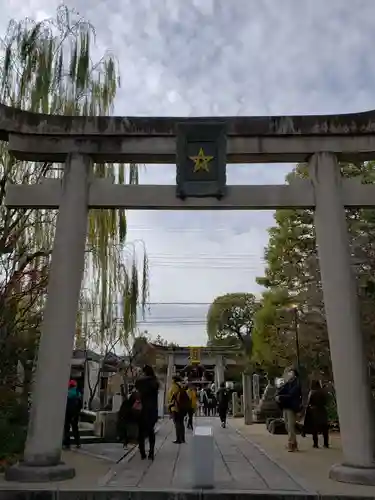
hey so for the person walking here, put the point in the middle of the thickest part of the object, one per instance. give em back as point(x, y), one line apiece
point(144, 407)
point(289, 398)
point(207, 401)
point(201, 401)
point(213, 403)
point(316, 417)
point(193, 405)
point(179, 405)
point(223, 404)
point(73, 409)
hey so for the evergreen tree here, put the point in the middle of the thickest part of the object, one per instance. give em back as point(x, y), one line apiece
point(292, 280)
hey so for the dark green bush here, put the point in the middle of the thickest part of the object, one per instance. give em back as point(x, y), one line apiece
point(332, 409)
point(12, 438)
point(13, 431)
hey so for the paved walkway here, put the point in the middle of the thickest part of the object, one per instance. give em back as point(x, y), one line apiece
point(239, 465)
point(310, 465)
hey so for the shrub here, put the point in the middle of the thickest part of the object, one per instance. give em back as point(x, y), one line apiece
point(332, 409)
point(13, 431)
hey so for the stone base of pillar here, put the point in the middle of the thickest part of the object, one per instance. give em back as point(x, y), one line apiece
point(24, 473)
point(351, 474)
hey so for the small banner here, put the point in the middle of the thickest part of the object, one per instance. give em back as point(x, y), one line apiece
point(195, 355)
point(201, 159)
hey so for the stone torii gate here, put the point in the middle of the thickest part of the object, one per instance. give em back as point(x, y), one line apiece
point(321, 141)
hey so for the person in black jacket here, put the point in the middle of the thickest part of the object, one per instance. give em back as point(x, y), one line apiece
point(144, 403)
point(316, 417)
point(125, 418)
point(223, 404)
point(289, 398)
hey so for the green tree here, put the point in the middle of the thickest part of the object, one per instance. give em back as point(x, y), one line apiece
point(47, 67)
point(161, 341)
point(230, 320)
point(292, 276)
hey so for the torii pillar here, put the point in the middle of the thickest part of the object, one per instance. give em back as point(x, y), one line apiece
point(42, 457)
point(349, 363)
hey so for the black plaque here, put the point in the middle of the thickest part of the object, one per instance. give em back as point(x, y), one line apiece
point(201, 160)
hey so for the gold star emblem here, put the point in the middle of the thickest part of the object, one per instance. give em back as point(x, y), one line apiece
point(201, 161)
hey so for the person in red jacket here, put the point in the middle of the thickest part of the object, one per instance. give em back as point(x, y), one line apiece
point(73, 409)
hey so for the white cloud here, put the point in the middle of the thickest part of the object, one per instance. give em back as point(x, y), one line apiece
point(246, 57)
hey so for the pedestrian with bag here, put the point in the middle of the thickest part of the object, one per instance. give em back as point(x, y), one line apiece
point(316, 416)
point(144, 408)
point(179, 406)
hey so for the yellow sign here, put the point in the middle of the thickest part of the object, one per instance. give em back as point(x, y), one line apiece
point(195, 355)
point(201, 161)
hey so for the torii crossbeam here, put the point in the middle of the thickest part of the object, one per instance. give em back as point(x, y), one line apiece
point(320, 141)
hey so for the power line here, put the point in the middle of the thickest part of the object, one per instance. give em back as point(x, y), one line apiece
point(176, 260)
point(206, 255)
point(205, 262)
point(194, 257)
point(201, 254)
point(162, 303)
point(179, 303)
point(208, 268)
point(176, 323)
point(217, 262)
point(253, 260)
point(179, 230)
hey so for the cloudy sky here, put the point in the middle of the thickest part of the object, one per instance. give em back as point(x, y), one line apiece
point(222, 57)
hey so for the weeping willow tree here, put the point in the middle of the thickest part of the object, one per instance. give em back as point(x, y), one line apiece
point(48, 67)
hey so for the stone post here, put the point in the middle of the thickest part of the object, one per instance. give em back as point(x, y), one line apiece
point(349, 361)
point(42, 457)
point(235, 405)
point(170, 373)
point(219, 371)
point(256, 388)
point(247, 398)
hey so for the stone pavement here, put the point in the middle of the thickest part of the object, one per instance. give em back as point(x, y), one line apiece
point(248, 462)
point(110, 452)
point(309, 465)
point(239, 465)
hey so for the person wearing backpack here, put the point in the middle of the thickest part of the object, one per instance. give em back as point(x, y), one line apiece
point(223, 404)
point(179, 405)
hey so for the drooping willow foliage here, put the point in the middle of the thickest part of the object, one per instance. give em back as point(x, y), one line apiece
point(48, 67)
